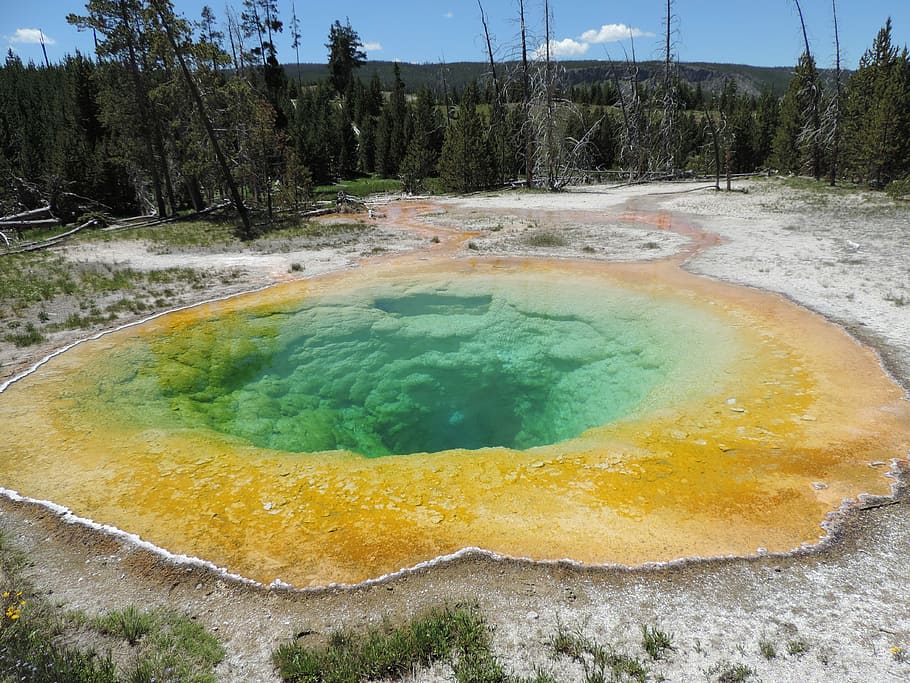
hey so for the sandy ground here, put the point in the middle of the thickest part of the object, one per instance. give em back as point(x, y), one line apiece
point(846, 256)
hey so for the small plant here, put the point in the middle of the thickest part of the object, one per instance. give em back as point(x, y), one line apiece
point(295, 267)
point(655, 642)
point(129, 624)
point(797, 647)
point(588, 249)
point(473, 246)
point(899, 654)
point(12, 605)
point(435, 239)
point(736, 673)
point(545, 239)
point(766, 648)
point(897, 299)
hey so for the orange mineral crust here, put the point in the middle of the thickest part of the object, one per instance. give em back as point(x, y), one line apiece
point(751, 431)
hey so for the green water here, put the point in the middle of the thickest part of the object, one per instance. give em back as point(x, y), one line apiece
point(415, 368)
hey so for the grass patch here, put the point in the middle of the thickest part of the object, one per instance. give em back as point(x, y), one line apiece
point(35, 639)
point(359, 187)
point(767, 650)
point(601, 663)
point(545, 239)
point(734, 673)
point(29, 283)
point(27, 337)
point(458, 635)
point(797, 647)
point(655, 642)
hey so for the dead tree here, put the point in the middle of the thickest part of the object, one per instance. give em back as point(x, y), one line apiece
point(810, 135)
point(663, 159)
point(526, 98)
point(833, 111)
point(497, 122)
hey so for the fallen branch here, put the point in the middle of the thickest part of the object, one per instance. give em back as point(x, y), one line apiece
point(883, 504)
point(44, 244)
point(25, 215)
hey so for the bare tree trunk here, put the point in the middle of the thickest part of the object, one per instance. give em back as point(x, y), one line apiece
point(716, 142)
point(497, 118)
point(838, 100)
point(551, 171)
point(814, 123)
point(247, 232)
point(526, 99)
point(445, 94)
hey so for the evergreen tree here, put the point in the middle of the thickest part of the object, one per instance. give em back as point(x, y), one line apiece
point(465, 162)
point(393, 130)
point(345, 55)
point(877, 121)
point(426, 142)
point(795, 142)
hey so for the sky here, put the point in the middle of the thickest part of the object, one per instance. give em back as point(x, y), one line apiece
point(764, 33)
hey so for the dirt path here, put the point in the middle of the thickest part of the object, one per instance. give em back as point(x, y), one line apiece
point(845, 601)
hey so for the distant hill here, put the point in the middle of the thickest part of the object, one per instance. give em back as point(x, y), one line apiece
point(749, 79)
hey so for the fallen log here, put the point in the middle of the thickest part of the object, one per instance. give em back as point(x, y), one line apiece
point(25, 225)
point(25, 215)
point(51, 241)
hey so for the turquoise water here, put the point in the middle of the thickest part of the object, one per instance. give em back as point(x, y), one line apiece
point(414, 367)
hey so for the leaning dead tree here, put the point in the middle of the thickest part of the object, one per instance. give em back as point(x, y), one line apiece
point(166, 18)
point(832, 117)
point(810, 136)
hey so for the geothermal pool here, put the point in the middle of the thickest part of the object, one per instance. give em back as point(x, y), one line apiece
point(345, 427)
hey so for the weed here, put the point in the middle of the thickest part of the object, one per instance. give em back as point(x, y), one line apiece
point(435, 239)
point(766, 648)
point(588, 249)
point(29, 336)
point(598, 660)
point(899, 654)
point(130, 624)
point(473, 246)
point(735, 673)
point(295, 267)
point(545, 239)
point(897, 299)
point(655, 642)
point(797, 647)
point(650, 245)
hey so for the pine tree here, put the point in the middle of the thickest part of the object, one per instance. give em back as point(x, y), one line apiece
point(345, 55)
point(426, 142)
point(877, 121)
point(794, 141)
point(465, 162)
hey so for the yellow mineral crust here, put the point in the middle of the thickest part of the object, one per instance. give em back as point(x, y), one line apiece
point(755, 456)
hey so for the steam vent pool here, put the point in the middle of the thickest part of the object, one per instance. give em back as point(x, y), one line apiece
point(342, 428)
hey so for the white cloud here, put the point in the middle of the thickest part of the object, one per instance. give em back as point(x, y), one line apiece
point(30, 35)
point(612, 33)
point(567, 47)
point(448, 15)
point(372, 47)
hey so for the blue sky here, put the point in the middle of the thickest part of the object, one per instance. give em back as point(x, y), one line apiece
point(763, 33)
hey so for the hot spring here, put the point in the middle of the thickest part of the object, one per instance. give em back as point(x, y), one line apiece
point(345, 427)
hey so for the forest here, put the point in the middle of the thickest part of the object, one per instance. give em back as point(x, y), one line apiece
point(172, 114)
